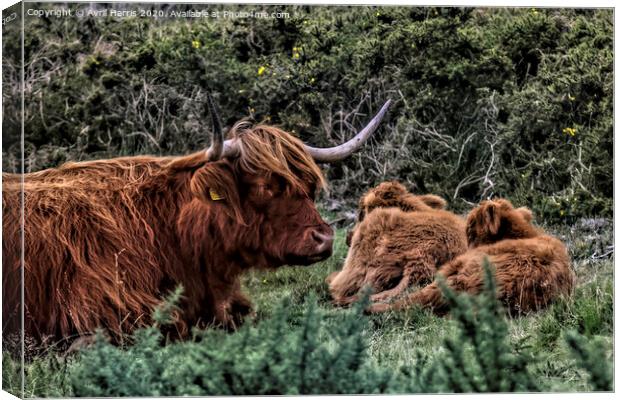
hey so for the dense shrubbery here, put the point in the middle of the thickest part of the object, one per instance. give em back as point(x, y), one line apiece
point(508, 102)
point(270, 358)
point(589, 356)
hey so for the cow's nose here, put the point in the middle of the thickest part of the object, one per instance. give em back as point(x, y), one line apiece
point(324, 241)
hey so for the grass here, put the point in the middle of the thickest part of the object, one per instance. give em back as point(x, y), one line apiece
point(399, 338)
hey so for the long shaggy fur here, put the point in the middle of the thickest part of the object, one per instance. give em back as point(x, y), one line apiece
point(532, 268)
point(400, 240)
point(106, 240)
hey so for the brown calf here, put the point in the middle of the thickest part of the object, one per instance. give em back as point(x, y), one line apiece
point(400, 240)
point(532, 268)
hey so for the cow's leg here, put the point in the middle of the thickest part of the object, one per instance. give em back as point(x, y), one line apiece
point(431, 296)
point(222, 316)
point(240, 305)
point(229, 303)
point(428, 297)
point(389, 294)
point(221, 293)
point(81, 343)
point(418, 269)
point(377, 279)
point(331, 277)
point(345, 301)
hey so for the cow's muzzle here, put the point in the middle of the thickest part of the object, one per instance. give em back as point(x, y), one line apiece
point(324, 241)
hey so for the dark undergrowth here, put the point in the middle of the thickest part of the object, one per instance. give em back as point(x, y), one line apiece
point(503, 102)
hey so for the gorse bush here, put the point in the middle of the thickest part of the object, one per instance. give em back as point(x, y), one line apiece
point(270, 358)
point(508, 102)
point(592, 358)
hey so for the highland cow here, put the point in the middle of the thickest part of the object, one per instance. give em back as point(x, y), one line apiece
point(532, 268)
point(105, 240)
point(399, 240)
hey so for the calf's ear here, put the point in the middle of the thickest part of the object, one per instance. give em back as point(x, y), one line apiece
point(485, 219)
point(491, 217)
point(215, 183)
point(433, 201)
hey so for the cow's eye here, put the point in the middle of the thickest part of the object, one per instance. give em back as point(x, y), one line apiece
point(265, 191)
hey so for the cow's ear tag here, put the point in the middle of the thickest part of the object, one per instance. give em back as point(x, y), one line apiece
point(214, 195)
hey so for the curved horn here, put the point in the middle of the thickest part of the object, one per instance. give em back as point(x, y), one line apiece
point(344, 150)
point(219, 148)
point(214, 152)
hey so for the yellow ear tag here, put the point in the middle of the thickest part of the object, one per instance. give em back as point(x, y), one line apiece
point(214, 195)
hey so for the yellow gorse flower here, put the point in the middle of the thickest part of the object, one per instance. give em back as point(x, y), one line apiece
point(569, 131)
point(196, 44)
point(261, 70)
point(296, 54)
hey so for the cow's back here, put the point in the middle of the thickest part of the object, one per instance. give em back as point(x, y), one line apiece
point(438, 233)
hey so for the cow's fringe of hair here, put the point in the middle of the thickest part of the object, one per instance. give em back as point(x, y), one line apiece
point(266, 148)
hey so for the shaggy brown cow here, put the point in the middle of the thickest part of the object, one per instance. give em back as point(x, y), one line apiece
point(105, 240)
point(531, 268)
point(400, 240)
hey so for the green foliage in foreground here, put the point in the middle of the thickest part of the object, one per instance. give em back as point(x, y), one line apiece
point(45, 376)
point(270, 358)
point(11, 375)
point(477, 348)
point(591, 357)
point(274, 357)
